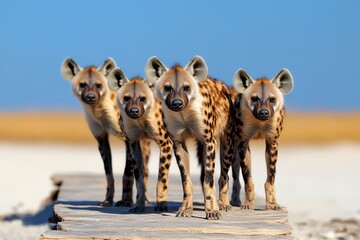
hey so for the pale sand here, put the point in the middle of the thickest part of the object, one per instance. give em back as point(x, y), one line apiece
point(315, 182)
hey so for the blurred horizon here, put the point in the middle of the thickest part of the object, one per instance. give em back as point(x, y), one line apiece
point(318, 41)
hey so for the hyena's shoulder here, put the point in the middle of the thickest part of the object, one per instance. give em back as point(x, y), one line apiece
point(216, 90)
point(217, 102)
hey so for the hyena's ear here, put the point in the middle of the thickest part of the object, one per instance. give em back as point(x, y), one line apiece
point(242, 80)
point(284, 81)
point(116, 79)
point(69, 69)
point(197, 68)
point(107, 67)
point(153, 70)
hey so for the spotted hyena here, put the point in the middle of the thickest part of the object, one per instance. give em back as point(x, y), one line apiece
point(90, 86)
point(195, 105)
point(259, 113)
point(141, 115)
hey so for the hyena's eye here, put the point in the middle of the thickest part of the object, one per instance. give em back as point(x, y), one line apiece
point(272, 99)
point(254, 99)
point(167, 88)
point(126, 98)
point(142, 99)
point(82, 85)
point(98, 85)
point(186, 88)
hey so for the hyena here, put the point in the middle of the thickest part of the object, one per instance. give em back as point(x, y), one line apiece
point(91, 88)
point(141, 115)
point(195, 105)
point(259, 113)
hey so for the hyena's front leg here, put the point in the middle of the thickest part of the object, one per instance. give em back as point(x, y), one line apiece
point(139, 177)
point(145, 149)
point(128, 179)
point(183, 161)
point(226, 158)
point(245, 163)
point(105, 151)
point(166, 150)
point(208, 169)
point(271, 158)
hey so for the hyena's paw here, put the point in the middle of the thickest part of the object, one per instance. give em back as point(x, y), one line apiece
point(247, 205)
point(187, 212)
point(137, 208)
point(161, 207)
point(272, 206)
point(224, 207)
point(213, 215)
point(105, 203)
point(124, 203)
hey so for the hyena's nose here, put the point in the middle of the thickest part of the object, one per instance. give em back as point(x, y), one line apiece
point(90, 98)
point(134, 112)
point(177, 104)
point(264, 114)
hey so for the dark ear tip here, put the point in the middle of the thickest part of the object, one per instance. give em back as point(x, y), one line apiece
point(153, 58)
point(68, 60)
point(241, 71)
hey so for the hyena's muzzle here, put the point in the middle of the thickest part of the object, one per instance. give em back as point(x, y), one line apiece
point(176, 101)
point(90, 96)
point(263, 111)
point(134, 109)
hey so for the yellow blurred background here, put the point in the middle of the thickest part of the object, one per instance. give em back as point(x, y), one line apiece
point(71, 127)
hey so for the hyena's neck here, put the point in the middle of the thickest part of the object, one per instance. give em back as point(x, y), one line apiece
point(105, 114)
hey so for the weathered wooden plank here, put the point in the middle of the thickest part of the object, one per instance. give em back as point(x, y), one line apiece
point(81, 218)
point(55, 235)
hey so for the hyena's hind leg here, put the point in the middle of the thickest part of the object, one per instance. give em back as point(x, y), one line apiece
point(271, 158)
point(235, 167)
point(105, 151)
point(226, 158)
point(245, 164)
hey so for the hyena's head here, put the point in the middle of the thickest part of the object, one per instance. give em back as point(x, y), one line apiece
point(263, 97)
point(88, 84)
point(133, 96)
point(177, 86)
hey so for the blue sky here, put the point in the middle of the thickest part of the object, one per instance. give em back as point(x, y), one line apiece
point(318, 41)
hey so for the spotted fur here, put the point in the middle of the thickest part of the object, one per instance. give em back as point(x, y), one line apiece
point(259, 113)
point(196, 106)
point(141, 116)
point(90, 87)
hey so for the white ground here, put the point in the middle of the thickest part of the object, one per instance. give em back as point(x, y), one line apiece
point(315, 182)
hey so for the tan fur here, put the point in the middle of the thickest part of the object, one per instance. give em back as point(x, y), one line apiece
point(206, 115)
point(102, 116)
point(259, 113)
point(147, 122)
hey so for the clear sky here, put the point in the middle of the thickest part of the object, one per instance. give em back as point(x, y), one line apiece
point(318, 41)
